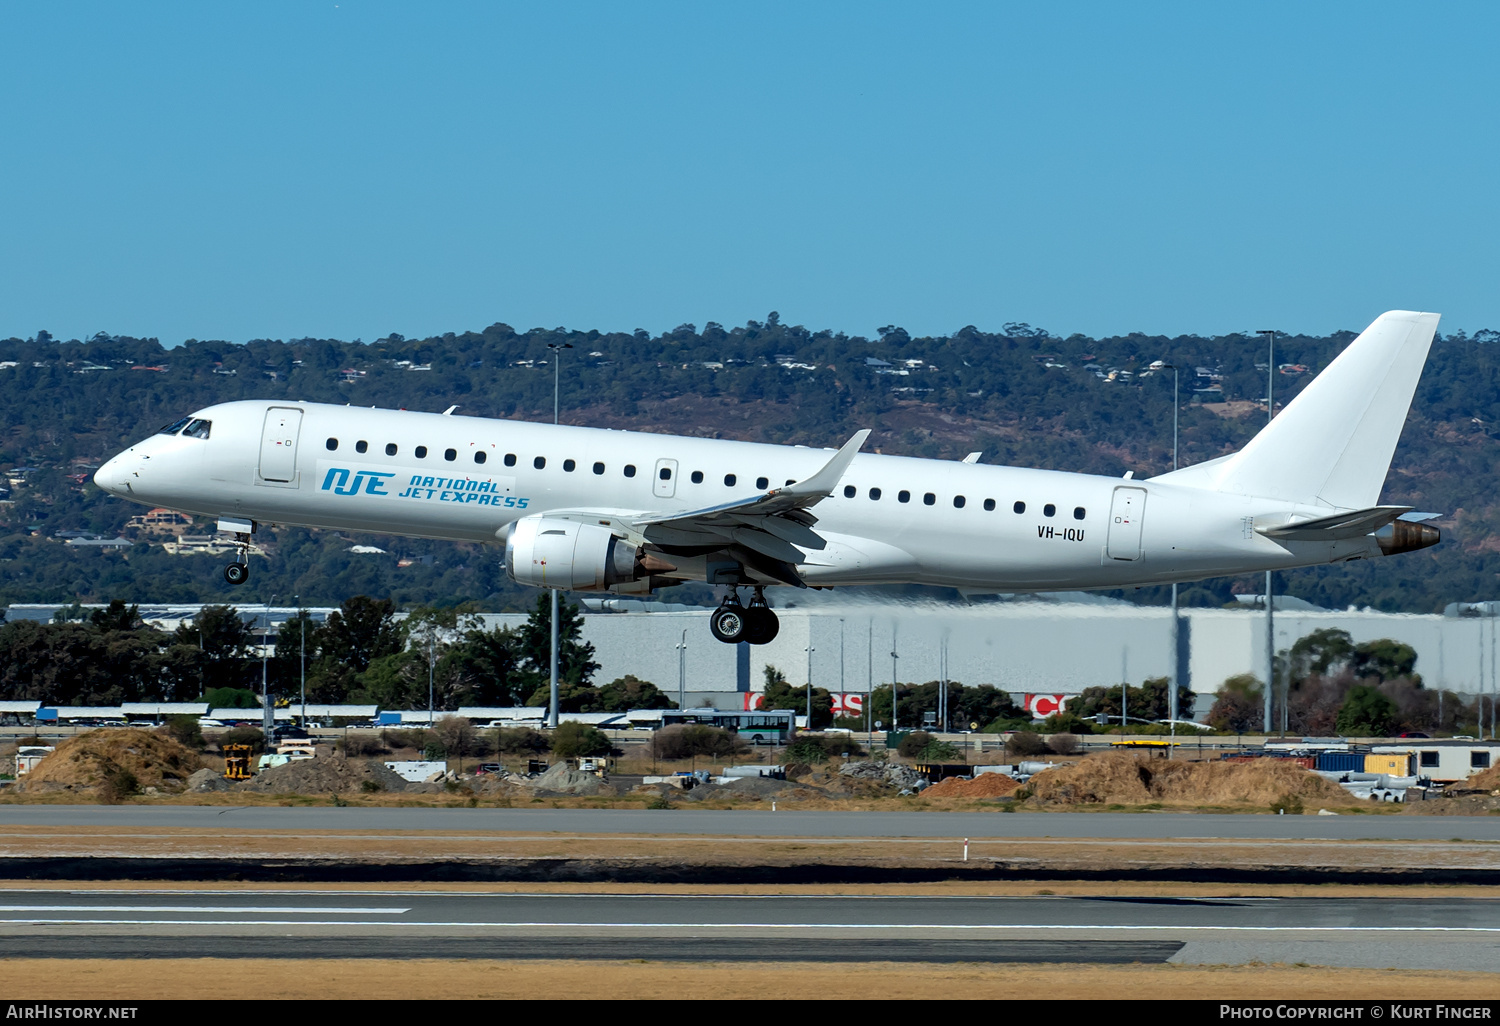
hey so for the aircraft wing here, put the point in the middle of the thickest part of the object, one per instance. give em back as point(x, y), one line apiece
point(768, 531)
point(1338, 526)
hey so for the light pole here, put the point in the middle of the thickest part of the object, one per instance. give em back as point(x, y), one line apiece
point(557, 348)
point(1270, 334)
point(682, 671)
point(1176, 623)
point(302, 659)
point(268, 715)
point(893, 676)
point(430, 677)
point(810, 651)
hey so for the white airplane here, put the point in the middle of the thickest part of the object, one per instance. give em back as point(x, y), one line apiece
point(586, 509)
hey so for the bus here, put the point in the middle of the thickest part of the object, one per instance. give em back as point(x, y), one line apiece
point(761, 727)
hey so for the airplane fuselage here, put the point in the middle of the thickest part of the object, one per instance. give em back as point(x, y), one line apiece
point(891, 519)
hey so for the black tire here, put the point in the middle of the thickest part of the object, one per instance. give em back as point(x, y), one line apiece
point(728, 624)
point(237, 573)
point(763, 625)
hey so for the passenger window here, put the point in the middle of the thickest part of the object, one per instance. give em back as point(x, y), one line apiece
point(761, 482)
point(929, 499)
point(903, 496)
point(479, 456)
point(331, 445)
point(875, 494)
point(361, 446)
point(697, 477)
point(1079, 513)
point(197, 429)
point(1049, 510)
point(510, 459)
point(989, 505)
point(849, 491)
point(450, 455)
point(729, 480)
point(569, 466)
point(1019, 507)
point(598, 468)
point(665, 473)
point(630, 470)
point(958, 502)
point(390, 448)
point(540, 462)
point(421, 452)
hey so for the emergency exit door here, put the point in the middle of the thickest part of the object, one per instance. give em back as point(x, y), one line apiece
point(278, 445)
point(1125, 514)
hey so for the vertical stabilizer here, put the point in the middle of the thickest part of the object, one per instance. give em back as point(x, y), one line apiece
point(1333, 444)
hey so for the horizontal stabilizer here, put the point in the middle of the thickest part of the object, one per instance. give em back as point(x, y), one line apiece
point(1353, 524)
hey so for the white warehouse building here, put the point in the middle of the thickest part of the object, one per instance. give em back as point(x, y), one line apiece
point(1037, 647)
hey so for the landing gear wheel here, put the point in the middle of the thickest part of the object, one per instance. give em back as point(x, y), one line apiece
point(728, 623)
point(763, 624)
point(237, 573)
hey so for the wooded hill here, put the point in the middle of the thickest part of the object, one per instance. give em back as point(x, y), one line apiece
point(1021, 395)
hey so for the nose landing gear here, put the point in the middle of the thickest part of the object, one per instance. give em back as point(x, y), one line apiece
point(732, 623)
point(238, 572)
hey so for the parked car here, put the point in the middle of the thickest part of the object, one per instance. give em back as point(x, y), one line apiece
point(1413, 733)
point(485, 768)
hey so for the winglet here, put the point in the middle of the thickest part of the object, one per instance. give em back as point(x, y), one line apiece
point(826, 480)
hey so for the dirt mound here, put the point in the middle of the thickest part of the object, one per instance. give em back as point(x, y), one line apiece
point(1489, 780)
point(206, 780)
point(986, 785)
point(325, 776)
point(87, 759)
point(1138, 779)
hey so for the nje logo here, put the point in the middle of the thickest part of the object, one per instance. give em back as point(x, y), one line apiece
point(340, 483)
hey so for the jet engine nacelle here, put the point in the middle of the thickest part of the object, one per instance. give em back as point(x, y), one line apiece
point(547, 552)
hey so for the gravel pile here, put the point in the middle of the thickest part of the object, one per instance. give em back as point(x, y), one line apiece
point(325, 776)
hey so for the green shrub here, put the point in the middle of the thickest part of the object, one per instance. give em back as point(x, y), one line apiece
point(1067, 723)
point(184, 730)
point(1290, 804)
point(680, 741)
point(371, 786)
point(1025, 743)
point(805, 749)
point(118, 785)
point(913, 743)
point(938, 751)
point(523, 741)
point(251, 736)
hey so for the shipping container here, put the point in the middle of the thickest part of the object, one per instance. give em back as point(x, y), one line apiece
point(1342, 762)
point(1396, 764)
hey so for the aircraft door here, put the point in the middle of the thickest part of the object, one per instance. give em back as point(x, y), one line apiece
point(278, 445)
point(664, 484)
point(1125, 518)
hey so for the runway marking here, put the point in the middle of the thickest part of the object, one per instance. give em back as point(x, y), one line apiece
point(407, 924)
point(202, 909)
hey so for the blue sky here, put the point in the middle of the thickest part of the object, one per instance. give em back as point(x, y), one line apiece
point(350, 169)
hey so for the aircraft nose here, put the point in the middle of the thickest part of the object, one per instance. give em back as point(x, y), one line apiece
point(111, 476)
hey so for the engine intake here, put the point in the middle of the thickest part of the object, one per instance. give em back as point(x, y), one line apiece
point(546, 552)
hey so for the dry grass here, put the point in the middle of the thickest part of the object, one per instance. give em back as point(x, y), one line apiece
point(427, 979)
point(1127, 779)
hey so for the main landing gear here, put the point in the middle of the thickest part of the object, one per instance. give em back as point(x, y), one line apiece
point(732, 623)
point(238, 572)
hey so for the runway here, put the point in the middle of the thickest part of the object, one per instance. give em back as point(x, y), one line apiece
point(763, 823)
point(1399, 933)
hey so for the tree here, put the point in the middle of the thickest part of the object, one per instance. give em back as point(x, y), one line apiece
point(572, 739)
point(1385, 659)
point(225, 643)
point(1238, 707)
point(575, 657)
point(360, 631)
point(784, 696)
point(1366, 713)
point(1320, 652)
point(630, 692)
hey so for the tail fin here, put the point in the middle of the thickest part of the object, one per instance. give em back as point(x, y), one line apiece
point(1333, 444)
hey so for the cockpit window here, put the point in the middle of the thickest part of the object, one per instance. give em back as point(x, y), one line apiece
point(197, 429)
point(175, 426)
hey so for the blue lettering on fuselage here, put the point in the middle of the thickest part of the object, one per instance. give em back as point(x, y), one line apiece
point(339, 482)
